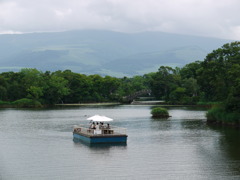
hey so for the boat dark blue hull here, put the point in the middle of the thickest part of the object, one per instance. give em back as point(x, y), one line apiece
point(94, 139)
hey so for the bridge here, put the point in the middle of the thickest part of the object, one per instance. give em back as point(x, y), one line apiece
point(133, 96)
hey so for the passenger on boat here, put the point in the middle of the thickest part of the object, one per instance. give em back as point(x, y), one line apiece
point(101, 125)
point(108, 126)
point(93, 126)
point(97, 126)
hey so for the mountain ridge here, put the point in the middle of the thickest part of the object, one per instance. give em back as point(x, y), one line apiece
point(102, 52)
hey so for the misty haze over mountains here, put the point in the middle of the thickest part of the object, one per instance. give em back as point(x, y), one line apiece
point(102, 52)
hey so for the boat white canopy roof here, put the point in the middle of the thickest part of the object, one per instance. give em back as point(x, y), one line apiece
point(99, 118)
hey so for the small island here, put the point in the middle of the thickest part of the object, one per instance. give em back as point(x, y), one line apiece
point(159, 112)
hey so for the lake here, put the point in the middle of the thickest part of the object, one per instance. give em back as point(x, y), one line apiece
point(38, 144)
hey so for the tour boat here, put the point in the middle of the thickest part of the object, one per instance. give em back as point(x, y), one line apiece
point(100, 134)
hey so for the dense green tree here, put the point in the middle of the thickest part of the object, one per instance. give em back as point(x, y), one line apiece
point(110, 85)
point(129, 87)
point(3, 89)
point(190, 70)
point(55, 89)
point(35, 92)
point(96, 88)
point(163, 82)
point(14, 86)
point(177, 95)
point(33, 81)
point(125, 87)
point(78, 85)
point(232, 103)
point(3, 93)
point(191, 86)
point(219, 80)
point(212, 76)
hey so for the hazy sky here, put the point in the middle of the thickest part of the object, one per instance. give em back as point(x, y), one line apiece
point(213, 18)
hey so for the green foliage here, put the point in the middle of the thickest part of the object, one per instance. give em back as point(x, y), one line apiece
point(129, 87)
point(177, 95)
point(27, 103)
point(218, 72)
point(190, 70)
point(219, 80)
point(164, 82)
point(55, 89)
point(62, 87)
point(4, 103)
point(3, 93)
point(159, 112)
point(232, 102)
point(191, 86)
point(219, 115)
point(35, 92)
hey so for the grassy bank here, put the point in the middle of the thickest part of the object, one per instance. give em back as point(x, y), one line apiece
point(218, 115)
point(21, 103)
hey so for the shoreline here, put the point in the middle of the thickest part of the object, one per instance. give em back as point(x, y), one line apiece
point(90, 104)
point(146, 103)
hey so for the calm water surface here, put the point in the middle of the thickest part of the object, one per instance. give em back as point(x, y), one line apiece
point(38, 144)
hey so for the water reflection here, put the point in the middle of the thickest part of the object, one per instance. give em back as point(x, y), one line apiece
point(193, 124)
point(160, 119)
point(229, 140)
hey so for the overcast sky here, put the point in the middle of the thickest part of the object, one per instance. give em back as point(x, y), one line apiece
point(212, 18)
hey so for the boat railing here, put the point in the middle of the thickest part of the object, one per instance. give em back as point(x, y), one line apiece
point(119, 130)
point(113, 130)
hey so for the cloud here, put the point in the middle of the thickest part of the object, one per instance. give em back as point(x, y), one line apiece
point(204, 18)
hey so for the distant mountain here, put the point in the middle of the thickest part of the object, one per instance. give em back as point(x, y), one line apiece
point(102, 52)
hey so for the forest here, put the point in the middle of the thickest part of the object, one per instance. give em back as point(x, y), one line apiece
point(214, 81)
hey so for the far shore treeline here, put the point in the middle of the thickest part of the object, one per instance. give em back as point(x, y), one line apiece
point(215, 81)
